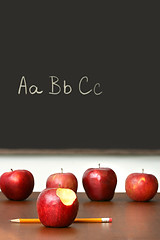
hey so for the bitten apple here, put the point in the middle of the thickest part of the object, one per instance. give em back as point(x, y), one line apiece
point(99, 183)
point(17, 185)
point(57, 207)
point(62, 180)
point(141, 186)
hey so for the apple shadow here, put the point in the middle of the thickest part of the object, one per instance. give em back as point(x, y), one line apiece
point(14, 203)
point(58, 233)
point(97, 203)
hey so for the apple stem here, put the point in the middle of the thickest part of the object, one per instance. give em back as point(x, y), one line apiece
point(142, 170)
point(99, 165)
point(11, 169)
point(61, 170)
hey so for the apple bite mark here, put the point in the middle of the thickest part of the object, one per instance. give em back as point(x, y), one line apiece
point(67, 196)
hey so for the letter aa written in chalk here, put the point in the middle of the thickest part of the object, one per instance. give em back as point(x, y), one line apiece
point(33, 89)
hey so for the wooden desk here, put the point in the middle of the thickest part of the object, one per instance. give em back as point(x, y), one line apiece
point(131, 220)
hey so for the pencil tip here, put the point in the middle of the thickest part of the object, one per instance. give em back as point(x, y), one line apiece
point(14, 220)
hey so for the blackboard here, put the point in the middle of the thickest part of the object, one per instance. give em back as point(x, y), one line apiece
point(80, 75)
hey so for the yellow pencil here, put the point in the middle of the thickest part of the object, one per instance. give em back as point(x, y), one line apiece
point(77, 220)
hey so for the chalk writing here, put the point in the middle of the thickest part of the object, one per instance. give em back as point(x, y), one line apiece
point(58, 87)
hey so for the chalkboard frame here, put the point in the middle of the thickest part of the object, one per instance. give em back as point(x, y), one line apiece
point(79, 151)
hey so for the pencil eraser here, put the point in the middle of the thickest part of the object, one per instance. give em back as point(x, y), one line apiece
point(109, 220)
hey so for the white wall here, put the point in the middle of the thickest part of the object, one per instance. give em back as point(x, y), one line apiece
point(42, 166)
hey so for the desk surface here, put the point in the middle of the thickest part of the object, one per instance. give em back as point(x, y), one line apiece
point(131, 220)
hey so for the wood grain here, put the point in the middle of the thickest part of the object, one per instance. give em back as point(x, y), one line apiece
point(131, 220)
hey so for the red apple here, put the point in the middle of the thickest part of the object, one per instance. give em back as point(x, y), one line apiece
point(99, 183)
point(17, 185)
point(141, 186)
point(57, 207)
point(62, 180)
